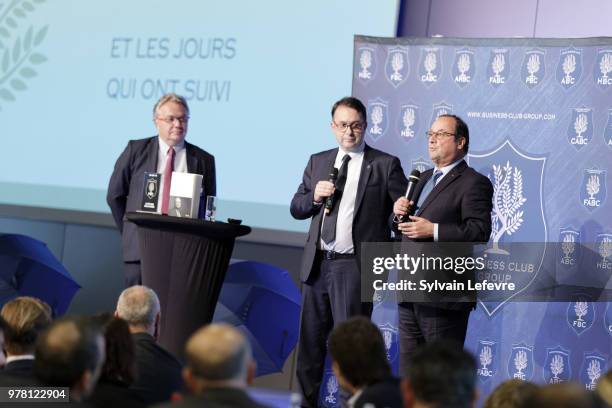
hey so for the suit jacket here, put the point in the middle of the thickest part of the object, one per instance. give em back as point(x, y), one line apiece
point(125, 189)
point(20, 367)
point(385, 393)
point(381, 182)
point(217, 398)
point(158, 373)
point(108, 393)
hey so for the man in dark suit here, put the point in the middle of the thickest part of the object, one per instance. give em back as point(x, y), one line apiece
point(219, 369)
point(343, 215)
point(26, 317)
point(158, 373)
point(164, 153)
point(453, 204)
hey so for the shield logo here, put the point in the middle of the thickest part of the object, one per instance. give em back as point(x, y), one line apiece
point(390, 336)
point(378, 112)
point(594, 365)
point(602, 70)
point(151, 188)
point(441, 108)
point(593, 189)
point(464, 67)
point(430, 65)
point(581, 314)
point(580, 128)
point(408, 123)
point(607, 135)
point(603, 246)
point(520, 362)
point(487, 358)
point(329, 397)
point(569, 249)
point(517, 218)
point(420, 164)
point(397, 66)
point(557, 368)
point(533, 68)
point(498, 67)
point(569, 67)
point(365, 63)
point(608, 319)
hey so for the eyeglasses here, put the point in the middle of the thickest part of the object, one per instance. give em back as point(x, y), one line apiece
point(170, 119)
point(438, 135)
point(344, 126)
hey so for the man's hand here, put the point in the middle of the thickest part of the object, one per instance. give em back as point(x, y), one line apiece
point(418, 228)
point(402, 206)
point(323, 189)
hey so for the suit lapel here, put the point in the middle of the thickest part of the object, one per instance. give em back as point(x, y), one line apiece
point(364, 176)
point(152, 155)
point(445, 182)
point(192, 161)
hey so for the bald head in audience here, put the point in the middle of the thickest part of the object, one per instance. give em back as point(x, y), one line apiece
point(139, 307)
point(218, 355)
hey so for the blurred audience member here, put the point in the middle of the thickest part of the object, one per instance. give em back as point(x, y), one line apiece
point(158, 373)
point(3, 328)
point(440, 374)
point(511, 394)
point(604, 388)
point(219, 368)
point(564, 395)
point(359, 361)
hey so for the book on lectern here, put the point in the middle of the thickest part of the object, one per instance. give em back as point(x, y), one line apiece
point(185, 192)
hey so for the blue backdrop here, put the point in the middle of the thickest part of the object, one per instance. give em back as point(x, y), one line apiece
point(540, 118)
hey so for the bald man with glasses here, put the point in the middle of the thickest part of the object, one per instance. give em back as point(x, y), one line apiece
point(164, 153)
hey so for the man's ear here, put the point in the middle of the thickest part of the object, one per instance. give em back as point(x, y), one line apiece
point(251, 371)
point(407, 393)
point(156, 325)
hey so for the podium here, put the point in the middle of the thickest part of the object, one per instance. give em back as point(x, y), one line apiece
point(184, 261)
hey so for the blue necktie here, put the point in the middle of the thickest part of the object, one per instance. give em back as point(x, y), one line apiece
point(431, 183)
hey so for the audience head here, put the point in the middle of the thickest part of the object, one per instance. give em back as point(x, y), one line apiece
point(70, 353)
point(119, 364)
point(3, 329)
point(511, 394)
point(440, 374)
point(604, 388)
point(564, 395)
point(358, 354)
point(218, 355)
point(139, 307)
point(26, 317)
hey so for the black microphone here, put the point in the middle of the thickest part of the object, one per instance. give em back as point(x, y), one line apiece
point(329, 202)
point(413, 179)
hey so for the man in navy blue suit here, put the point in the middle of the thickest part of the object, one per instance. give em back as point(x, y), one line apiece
point(368, 183)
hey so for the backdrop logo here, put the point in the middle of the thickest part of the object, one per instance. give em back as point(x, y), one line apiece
point(593, 189)
point(420, 164)
point(19, 50)
point(534, 68)
point(408, 122)
point(517, 217)
point(580, 315)
point(430, 67)
point(557, 367)
point(366, 57)
point(603, 245)
point(389, 334)
point(608, 130)
point(378, 111)
point(397, 67)
point(580, 129)
point(569, 247)
point(520, 363)
point(487, 358)
point(593, 366)
point(499, 66)
point(608, 319)
point(329, 390)
point(569, 68)
point(439, 109)
point(464, 68)
point(602, 71)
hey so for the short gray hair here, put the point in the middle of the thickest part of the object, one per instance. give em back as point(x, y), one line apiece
point(170, 97)
point(138, 305)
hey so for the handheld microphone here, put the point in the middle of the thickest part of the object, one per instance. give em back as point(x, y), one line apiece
point(413, 179)
point(329, 202)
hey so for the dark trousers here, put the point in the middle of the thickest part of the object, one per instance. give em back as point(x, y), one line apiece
point(420, 324)
point(131, 274)
point(331, 295)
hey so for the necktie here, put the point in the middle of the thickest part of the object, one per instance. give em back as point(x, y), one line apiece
point(167, 180)
point(328, 233)
point(431, 183)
